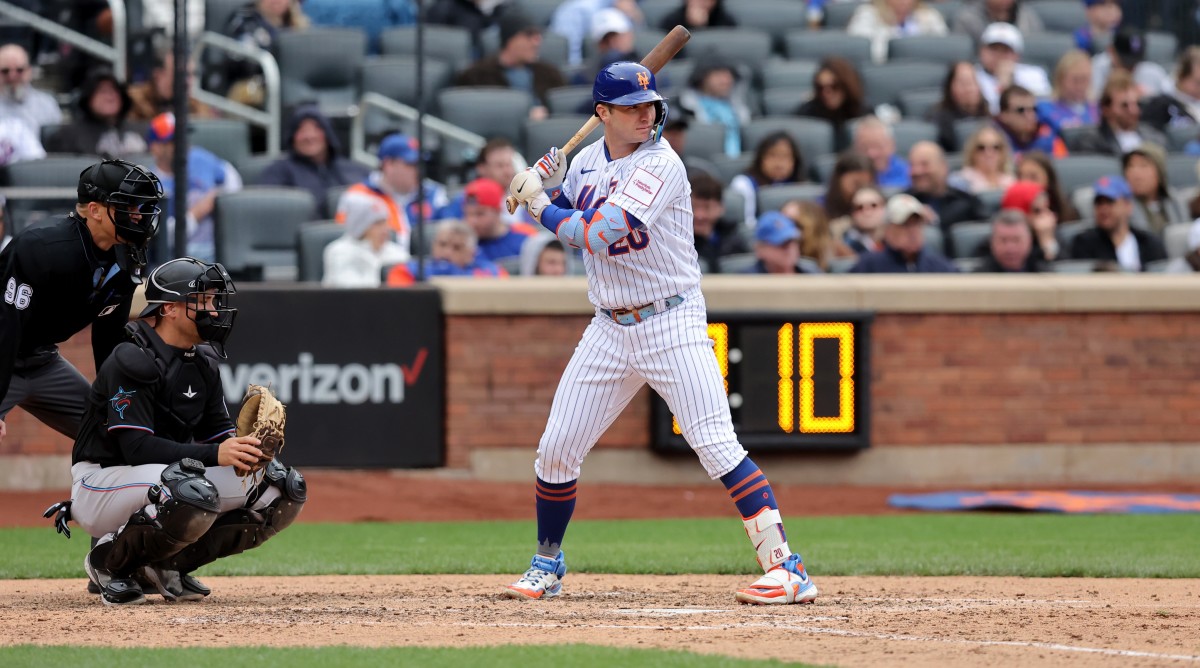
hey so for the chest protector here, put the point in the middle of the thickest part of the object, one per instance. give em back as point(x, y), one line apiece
point(181, 389)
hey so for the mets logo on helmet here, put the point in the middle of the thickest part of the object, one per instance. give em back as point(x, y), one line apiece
point(121, 400)
point(643, 80)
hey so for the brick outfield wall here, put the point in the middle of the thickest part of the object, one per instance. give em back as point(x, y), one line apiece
point(974, 379)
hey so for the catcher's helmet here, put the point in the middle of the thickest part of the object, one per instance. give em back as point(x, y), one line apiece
point(626, 84)
point(134, 193)
point(185, 280)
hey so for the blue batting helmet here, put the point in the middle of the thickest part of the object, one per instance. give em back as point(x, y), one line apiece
point(626, 84)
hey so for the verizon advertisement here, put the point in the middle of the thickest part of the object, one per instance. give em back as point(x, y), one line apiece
point(359, 370)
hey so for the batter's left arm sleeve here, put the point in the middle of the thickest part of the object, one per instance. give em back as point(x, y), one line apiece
point(109, 330)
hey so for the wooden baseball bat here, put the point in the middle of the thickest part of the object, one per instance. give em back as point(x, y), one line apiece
point(658, 56)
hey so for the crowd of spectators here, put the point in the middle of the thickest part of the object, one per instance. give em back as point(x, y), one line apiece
point(988, 153)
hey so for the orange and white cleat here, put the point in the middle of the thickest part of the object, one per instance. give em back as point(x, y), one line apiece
point(786, 583)
point(542, 580)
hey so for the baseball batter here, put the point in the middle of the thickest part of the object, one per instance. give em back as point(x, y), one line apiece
point(626, 203)
point(154, 464)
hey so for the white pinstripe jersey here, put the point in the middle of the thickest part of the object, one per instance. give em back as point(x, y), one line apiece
point(650, 184)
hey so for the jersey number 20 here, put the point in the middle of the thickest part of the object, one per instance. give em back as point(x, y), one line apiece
point(635, 240)
point(18, 295)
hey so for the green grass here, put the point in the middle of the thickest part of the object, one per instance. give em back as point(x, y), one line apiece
point(953, 544)
point(581, 656)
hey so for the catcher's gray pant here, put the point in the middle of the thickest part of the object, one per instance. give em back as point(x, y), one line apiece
point(103, 498)
point(53, 392)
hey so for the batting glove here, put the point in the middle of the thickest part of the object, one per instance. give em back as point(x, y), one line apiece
point(552, 168)
point(526, 188)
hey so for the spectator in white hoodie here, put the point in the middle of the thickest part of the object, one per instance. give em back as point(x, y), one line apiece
point(356, 259)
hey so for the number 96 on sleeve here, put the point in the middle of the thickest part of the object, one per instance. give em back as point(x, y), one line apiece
point(795, 382)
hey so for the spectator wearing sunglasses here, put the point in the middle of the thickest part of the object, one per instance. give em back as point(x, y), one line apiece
point(838, 97)
point(867, 219)
point(18, 98)
point(987, 163)
point(1018, 120)
point(1120, 130)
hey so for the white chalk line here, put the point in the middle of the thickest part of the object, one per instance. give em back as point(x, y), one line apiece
point(868, 634)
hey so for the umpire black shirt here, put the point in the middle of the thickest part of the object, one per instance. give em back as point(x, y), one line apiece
point(55, 282)
point(154, 405)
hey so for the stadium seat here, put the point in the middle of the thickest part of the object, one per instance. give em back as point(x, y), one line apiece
point(705, 140)
point(539, 136)
point(1060, 15)
point(1175, 239)
point(772, 198)
point(1161, 48)
point(837, 14)
point(776, 17)
point(510, 264)
point(655, 11)
point(967, 237)
point(814, 136)
point(53, 171)
point(673, 77)
point(949, 9)
point(645, 39)
point(1072, 135)
point(784, 101)
point(815, 45)
point(1077, 171)
point(744, 46)
point(448, 43)
point(1047, 48)
point(487, 111)
point(569, 99)
point(943, 49)
point(1156, 266)
point(884, 83)
point(540, 11)
point(731, 166)
point(313, 238)
point(779, 73)
point(396, 77)
point(908, 132)
point(1067, 232)
point(321, 64)
point(822, 166)
point(257, 227)
point(1073, 266)
point(916, 103)
point(842, 265)
point(990, 199)
point(968, 265)
point(1179, 136)
point(738, 263)
point(229, 138)
point(218, 12)
point(1181, 171)
point(333, 195)
point(934, 240)
point(252, 166)
point(965, 127)
point(735, 205)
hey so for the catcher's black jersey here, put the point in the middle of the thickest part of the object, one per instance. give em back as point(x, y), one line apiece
point(55, 281)
point(154, 404)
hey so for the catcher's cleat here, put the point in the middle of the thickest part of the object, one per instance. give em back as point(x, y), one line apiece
point(173, 585)
point(786, 583)
point(113, 590)
point(542, 580)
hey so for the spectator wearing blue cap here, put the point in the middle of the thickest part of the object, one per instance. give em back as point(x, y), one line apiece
point(395, 183)
point(1112, 239)
point(904, 248)
point(777, 245)
point(208, 176)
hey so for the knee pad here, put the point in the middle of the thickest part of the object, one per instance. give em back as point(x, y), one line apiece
point(180, 511)
point(287, 479)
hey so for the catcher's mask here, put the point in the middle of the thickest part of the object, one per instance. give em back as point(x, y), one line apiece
point(132, 194)
point(627, 84)
point(187, 280)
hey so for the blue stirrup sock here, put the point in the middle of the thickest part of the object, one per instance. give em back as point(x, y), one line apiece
point(755, 500)
point(555, 505)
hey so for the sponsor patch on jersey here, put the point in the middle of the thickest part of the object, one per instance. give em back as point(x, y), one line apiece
point(642, 187)
point(122, 400)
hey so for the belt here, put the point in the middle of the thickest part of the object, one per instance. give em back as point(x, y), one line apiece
point(636, 314)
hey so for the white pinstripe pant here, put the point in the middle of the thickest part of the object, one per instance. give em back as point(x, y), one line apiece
point(673, 353)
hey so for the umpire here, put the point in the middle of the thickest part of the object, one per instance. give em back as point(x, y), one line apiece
point(58, 279)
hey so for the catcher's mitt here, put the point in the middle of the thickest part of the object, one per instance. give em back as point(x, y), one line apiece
point(263, 417)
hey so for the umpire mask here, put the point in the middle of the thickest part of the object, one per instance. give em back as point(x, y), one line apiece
point(132, 194)
point(191, 281)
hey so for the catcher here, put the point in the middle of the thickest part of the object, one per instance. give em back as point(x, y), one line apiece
point(156, 418)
